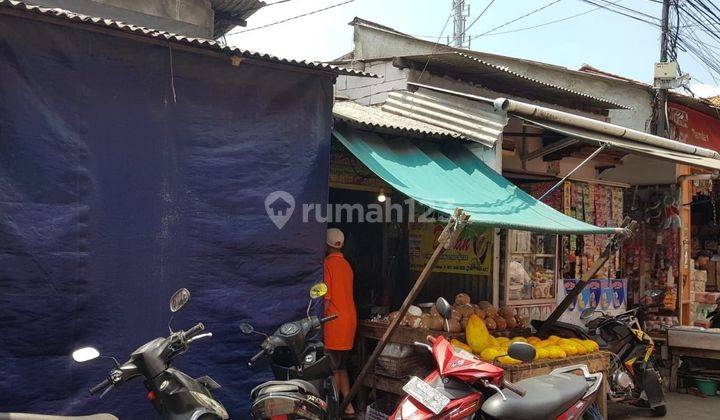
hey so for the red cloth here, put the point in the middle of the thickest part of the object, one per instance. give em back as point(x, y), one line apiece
point(339, 334)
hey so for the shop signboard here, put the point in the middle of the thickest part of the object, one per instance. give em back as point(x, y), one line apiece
point(694, 127)
point(347, 172)
point(606, 295)
point(472, 253)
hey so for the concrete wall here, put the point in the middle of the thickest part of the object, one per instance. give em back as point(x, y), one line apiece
point(186, 17)
point(367, 91)
point(376, 43)
point(380, 46)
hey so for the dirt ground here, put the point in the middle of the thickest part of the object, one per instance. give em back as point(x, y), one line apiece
point(679, 406)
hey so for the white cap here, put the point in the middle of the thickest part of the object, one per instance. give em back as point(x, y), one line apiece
point(335, 238)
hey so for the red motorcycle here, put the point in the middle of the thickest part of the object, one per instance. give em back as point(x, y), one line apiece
point(465, 387)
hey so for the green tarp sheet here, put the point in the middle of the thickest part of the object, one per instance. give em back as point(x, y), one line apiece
point(446, 176)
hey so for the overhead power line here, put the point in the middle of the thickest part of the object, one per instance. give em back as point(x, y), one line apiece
point(629, 9)
point(550, 22)
point(479, 16)
point(626, 14)
point(515, 20)
point(292, 18)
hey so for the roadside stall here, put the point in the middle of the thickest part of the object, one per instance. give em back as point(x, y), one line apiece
point(545, 264)
point(699, 343)
point(438, 175)
point(556, 263)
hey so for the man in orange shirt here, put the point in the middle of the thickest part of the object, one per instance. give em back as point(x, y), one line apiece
point(339, 334)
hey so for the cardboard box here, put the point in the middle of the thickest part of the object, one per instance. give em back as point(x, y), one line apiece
point(697, 286)
point(700, 276)
point(711, 272)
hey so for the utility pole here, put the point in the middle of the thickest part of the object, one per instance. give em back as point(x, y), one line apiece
point(661, 125)
point(460, 12)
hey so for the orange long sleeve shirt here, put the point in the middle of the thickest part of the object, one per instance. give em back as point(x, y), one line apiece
point(339, 334)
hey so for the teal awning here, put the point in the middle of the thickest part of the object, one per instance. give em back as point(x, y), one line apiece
point(448, 176)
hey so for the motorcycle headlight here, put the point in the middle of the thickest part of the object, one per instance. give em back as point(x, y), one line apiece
point(210, 403)
point(623, 380)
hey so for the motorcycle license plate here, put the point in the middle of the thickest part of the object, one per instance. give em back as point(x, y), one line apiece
point(426, 395)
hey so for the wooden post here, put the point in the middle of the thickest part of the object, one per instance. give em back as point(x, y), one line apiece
point(447, 238)
point(684, 195)
point(611, 247)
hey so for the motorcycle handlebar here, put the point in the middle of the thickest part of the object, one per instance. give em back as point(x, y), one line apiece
point(101, 386)
point(192, 332)
point(514, 388)
point(328, 318)
point(257, 356)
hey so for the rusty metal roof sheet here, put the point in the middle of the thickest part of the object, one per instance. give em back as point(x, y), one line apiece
point(201, 43)
point(501, 78)
point(369, 117)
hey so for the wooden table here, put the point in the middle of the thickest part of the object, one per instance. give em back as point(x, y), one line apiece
point(678, 352)
point(596, 362)
point(369, 332)
point(660, 339)
point(372, 331)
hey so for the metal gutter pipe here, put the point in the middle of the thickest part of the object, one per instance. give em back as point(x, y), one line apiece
point(560, 117)
point(697, 177)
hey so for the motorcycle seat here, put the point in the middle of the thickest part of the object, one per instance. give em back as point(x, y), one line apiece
point(292, 385)
point(547, 397)
point(25, 416)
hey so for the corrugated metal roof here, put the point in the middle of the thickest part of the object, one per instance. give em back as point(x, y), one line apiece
point(475, 121)
point(501, 78)
point(632, 146)
point(369, 117)
point(229, 13)
point(200, 43)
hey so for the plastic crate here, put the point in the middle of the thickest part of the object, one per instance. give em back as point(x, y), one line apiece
point(401, 367)
point(381, 409)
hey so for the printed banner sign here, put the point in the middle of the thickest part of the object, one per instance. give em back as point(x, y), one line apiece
point(606, 295)
point(472, 253)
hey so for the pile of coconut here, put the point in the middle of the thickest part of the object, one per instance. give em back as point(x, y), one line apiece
point(495, 319)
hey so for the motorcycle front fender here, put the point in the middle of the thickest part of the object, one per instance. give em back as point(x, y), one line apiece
point(652, 385)
point(177, 396)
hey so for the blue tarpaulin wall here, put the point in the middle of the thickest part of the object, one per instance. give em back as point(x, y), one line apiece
point(123, 179)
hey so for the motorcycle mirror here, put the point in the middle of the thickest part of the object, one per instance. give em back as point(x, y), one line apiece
point(443, 308)
point(521, 351)
point(179, 299)
point(85, 354)
point(587, 313)
point(318, 290)
point(654, 293)
point(246, 328)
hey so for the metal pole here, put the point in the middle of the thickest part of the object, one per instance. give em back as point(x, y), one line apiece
point(458, 7)
point(661, 128)
point(569, 174)
point(447, 238)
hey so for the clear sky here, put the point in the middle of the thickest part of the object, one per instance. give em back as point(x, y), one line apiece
point(600, 38)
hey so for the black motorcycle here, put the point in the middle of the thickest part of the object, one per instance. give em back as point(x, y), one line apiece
point(173, 394)
point(304, 387)
point(634, 376)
